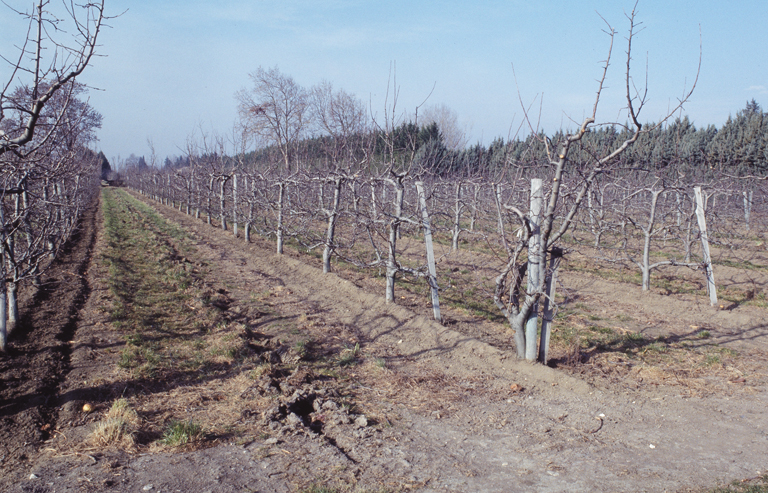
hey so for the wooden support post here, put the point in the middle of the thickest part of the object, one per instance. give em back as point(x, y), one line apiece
point(549, 304)
point(432, 277)
point(711, 288)
point(534, 265)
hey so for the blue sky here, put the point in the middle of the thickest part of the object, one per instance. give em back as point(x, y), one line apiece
point(173, 67)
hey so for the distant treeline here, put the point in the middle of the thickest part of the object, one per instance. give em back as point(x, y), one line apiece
point(739, 147)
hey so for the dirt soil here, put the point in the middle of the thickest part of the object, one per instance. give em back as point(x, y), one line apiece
point(436, 408)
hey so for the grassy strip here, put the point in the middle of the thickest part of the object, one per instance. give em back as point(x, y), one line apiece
point(193, 351)
point(150, 283)
point(178, 339)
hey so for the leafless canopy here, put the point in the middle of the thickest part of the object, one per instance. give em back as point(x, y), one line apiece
point(60, 42)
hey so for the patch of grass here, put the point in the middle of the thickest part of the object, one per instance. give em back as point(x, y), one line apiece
point(704, 334)
point(118, 426)
point(750, 297)
point(349, 356)
point(144, 360)
point(752, 485)
point(303, 348)
point(634, 337)
point(134, 339)
point(314, 488)
point(712, 360)
point(739, 264)
point(179, 433)
point(655, 347)
point(260, 370)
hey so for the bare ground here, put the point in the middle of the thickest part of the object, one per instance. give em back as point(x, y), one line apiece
point(450, 409)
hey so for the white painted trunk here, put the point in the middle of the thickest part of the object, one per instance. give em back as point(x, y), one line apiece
point(222, 209)
point(330, 233)
point(394, 234)
point(234, 205)
point(747, 207)
point(456, 219)
point(13, 305)
point(280, 203)
point(3, 324)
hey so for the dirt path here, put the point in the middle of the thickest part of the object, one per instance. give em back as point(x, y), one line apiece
point(451, 413)
point(39, 355)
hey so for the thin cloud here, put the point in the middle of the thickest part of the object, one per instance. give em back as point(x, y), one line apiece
point(758, 89)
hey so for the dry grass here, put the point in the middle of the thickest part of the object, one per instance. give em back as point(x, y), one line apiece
point(118, 427)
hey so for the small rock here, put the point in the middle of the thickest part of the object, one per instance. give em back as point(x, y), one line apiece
point(148, 487)
point(34, 476)
point(330, 406)
point(271, 441)
point(293, 420)
point(361, 421)
point(317, 404)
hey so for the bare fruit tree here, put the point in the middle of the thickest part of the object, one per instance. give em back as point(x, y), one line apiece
point(47, 61)
point(45, 168)
point(537, 235)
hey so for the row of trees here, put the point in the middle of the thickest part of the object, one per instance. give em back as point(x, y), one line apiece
point(332, 179)
point(637, 220)
point(48, 174)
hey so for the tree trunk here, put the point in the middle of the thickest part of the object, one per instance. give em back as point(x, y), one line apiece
point(329, 236)
point(222, 208)
point(473, 217)
point(12, 289)
point(234, 205)
point(648, 233)
point(646, 267)
point(747, 207)
point(3, 324)
point(208, 200)
point(250, 211)
point(394, 231)
point(456, 219)
point(3, 273)
point(500, 215)
point(280, 203)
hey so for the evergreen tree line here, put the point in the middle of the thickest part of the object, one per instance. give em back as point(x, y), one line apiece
point(738, 148)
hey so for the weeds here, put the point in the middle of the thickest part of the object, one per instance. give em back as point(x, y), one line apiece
point(118, 426)
point(179, 433)
point(753, 485)
point(349, 356)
